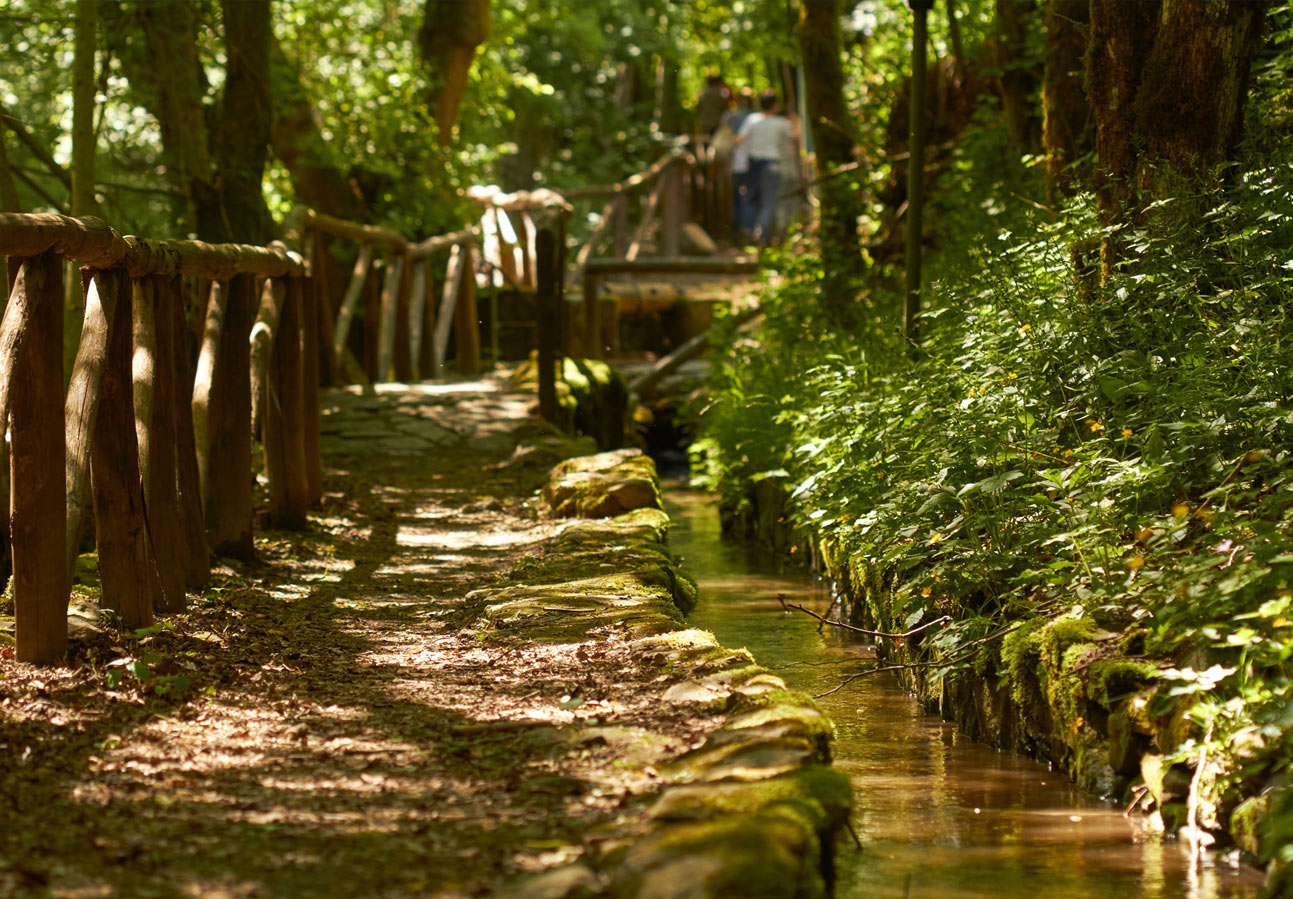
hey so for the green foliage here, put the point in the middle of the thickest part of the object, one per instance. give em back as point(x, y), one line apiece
point(1112, 452)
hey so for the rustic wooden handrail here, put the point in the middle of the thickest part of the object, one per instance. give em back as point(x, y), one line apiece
point(140, 427)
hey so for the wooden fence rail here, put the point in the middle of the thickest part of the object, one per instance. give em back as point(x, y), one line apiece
point(153, 434)
point(141, 434)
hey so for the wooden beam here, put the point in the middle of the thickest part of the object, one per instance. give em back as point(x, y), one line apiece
point(228, 482)
point(354, 290)
point(310, 360)
point(389, 318)
point(127, 564)
point(204, 377)
point(466, 322)
point(195, 560)
point(669, 264)
point(82, 404)
point(153, 387)
point(38, 526)
point(285, 462)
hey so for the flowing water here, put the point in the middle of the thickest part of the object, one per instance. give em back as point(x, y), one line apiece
point(937, 814)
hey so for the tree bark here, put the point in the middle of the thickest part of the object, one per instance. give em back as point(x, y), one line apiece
point(1167, 80)
point(1066, 114)
point(451, 31)
point(833, 138)
point(241, 140)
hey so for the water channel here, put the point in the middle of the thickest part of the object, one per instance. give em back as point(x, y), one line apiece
point(937, 814)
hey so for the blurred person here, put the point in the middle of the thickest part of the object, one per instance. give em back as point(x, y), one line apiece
point(768, 138)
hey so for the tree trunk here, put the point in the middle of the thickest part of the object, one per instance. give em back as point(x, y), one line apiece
point(241, 139)
point(83, 202)
point(1018, 77)
point(1066, 115)
point(1167, 80)
point(832, 129)
point(451, 31)
point(318, 181)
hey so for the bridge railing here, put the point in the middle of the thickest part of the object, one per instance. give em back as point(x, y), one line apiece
point(156, 447)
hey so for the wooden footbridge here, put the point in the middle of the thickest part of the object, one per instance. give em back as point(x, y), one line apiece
point(189, 352)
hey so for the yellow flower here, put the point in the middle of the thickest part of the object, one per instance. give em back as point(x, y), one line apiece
point(1144, 534)
point(1254, 456)
point(1180, 509)
point(1024, 327)
point(1068, 454)
point(1205, 514)
point(1136, 562)
point(926, 592)
point(934, 538)
point(1012, 376)
point(1095, 426)
point(1126, 432)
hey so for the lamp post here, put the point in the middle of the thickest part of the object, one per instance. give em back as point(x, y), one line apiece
point(915, 168)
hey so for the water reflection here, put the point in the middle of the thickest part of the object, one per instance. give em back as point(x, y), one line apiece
point(938, 815)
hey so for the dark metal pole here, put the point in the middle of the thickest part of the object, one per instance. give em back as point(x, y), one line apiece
point(915, 168)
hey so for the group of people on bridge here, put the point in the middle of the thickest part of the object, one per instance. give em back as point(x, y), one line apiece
point(758, 149)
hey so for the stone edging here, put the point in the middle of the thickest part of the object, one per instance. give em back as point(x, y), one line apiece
point(755, 810)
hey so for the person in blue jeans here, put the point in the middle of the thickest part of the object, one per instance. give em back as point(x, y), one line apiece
point(764, 135)
point(742, 210)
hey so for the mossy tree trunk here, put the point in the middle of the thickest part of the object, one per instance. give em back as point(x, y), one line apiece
point(833, 137)
point(1167, 80)
point(451, 31)
point(1066, 114)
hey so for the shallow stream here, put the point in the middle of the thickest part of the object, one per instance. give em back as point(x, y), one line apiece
point(937, 814)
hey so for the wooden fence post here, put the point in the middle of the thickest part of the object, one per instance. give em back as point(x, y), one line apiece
point(448, 310)
point(466, 319)
point(354, 290)
point(37, 452)
point(320, 303)
point(127, 563)
point(417, 302)
point(674, 213)
point(204, 377)
point(154, 396)
point(81, 406)
point(546, 275)
point(388, 324)
point(228, 484)
point(620, 224)
point(592, 318)
point(311, 342)
point(285, 419)
point(196, 558)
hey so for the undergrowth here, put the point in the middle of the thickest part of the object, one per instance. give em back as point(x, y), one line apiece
point(1113, 450)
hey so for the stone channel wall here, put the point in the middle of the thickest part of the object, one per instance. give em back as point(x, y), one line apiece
point(1062, 691)
point(752, 810)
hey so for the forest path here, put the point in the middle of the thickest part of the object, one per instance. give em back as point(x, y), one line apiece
point(344, 730)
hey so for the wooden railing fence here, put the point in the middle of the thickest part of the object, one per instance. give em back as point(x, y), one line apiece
point(152, 436)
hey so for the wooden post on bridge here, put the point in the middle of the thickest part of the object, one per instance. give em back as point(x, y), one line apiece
point(388, 323)
point(31, 354)
point(127, 564)
point(285, 459)
point(228, 481)
point(620, 224)
point(592, 317)
point(674, 212)
point(403, 353)
point(548, 295)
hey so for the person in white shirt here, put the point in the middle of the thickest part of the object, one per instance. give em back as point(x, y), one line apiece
point(765, 135)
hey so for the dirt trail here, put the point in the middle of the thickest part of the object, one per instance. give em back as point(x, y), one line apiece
point(332, 722)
